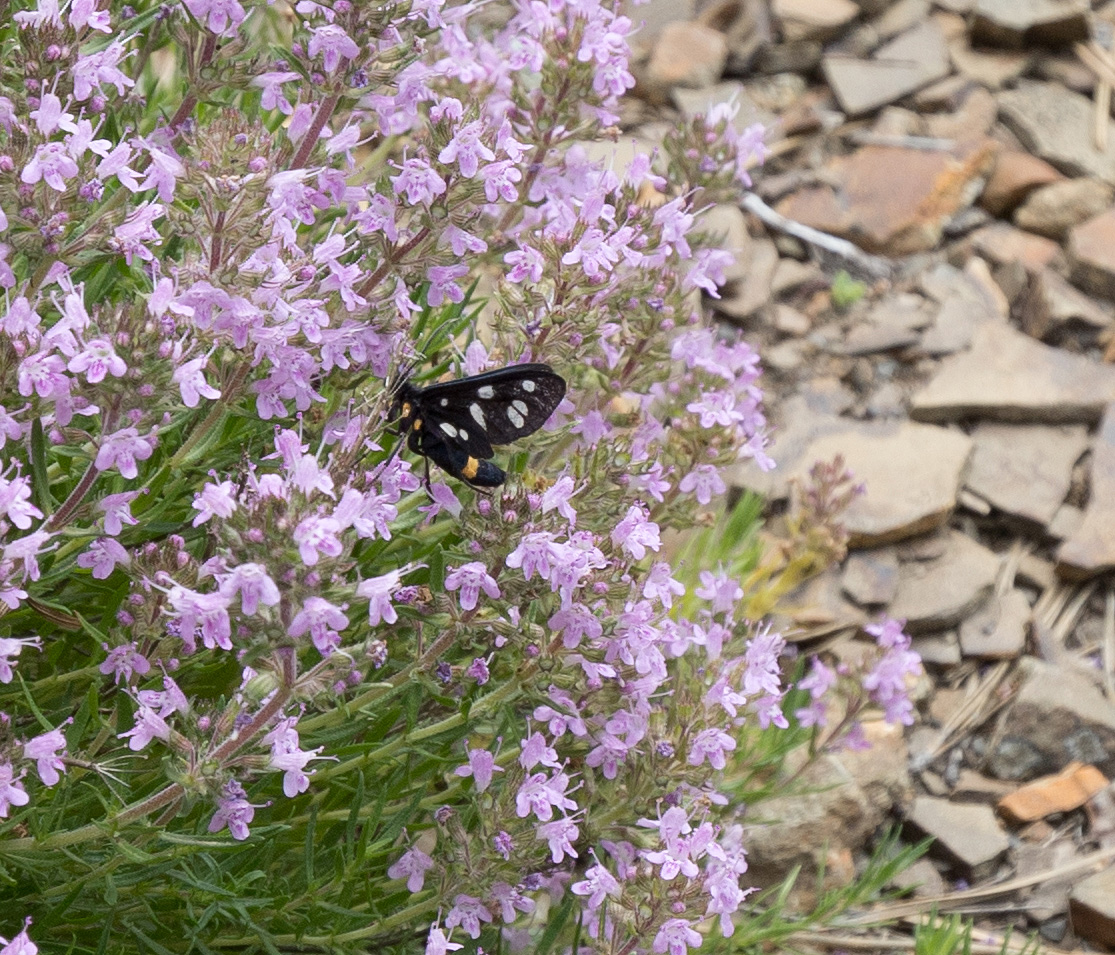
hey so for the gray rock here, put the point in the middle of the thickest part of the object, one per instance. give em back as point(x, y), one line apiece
point(1025, 470)
point(1090, 549)
point(1020, 23)
point(1052, 306)
point(1092, 906)
point(1056, 124)
point(1054, 209)
point(915, 59)
point(1058, 715)
point(921, 879)
point(938, 592)
point(993, 69)
point(998, 630)
point(1008, 376)
point(871, 576)
point(911, 474)
point(686, 54)
point(954, 325)
point(1066, 522)
point(813, 19)
point(1091, 255)
point(939, 649)
point(728, 227)
point(968, 835)
point(743, 298)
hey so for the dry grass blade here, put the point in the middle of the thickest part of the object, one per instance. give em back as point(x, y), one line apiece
point(979, 705)
point(955, 900)
point(892, 942)
point(1054, 616)
point(1109, 644)
point(1097, 59)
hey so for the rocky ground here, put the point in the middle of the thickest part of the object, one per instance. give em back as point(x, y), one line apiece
point(966, 148)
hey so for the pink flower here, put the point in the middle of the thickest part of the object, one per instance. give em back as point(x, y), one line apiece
point(470, 579)
point(420, 183)
point(720, 589)
point(123, 449)
point(705, 480)
point(102, 556)
point(560, 834)
point(558, 496)
point(438, 944)
point(334, 44)
point(254, 585)
point(480, 766)
point(117, 511)
point(215, 500)
point(467, 912)
point(467, 149)
point(676, 937)
point(191, 382)
point(413, 864)
point(222, 17)
point(377, 591)
point(710, 744)
point(207, 611)
point(10, 648)
point(12, 792)
point(149, 725)
point(317, 535)
point(20, 944)
point(234, 811)
point(322, 620)
point(635, 534)
point(598, 884)
point(660, 586)
point(44, 749)
point(15, 501)
point(122, 661)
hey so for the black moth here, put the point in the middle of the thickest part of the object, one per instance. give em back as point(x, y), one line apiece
point(455, 423)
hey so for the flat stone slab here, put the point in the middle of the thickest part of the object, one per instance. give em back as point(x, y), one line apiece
point(1092, 906)
point(813, 19)
point(871, 576)
point(915, 59)
point(1020, 23)
point(892, 199)
point(911, 473)
point(1091, 255)
point(1052, 305)
point(968, 835)
point(1007, 376)
point(1067, 790)
point(1056, 124)
point(998, 630)
point(939, 588)
point(1090, 549)
point(1025, 470)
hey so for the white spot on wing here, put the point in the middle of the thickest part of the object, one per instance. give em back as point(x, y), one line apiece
point(444, 402)
point(477, 414)
point(486, 391)
point(448, 429)
point(527, 385)
point(516, 419)
point(520, 406)
point(463, 434)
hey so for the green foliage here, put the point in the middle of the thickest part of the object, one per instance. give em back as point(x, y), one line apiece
point(846, 291)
